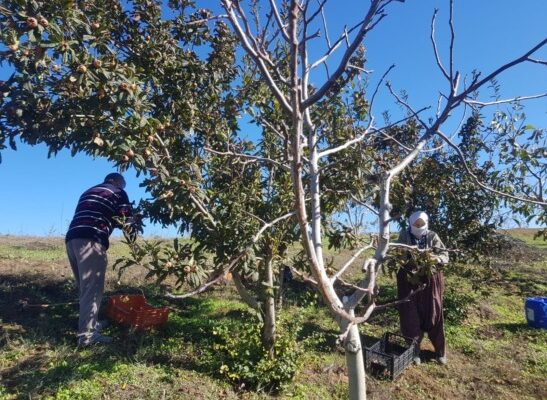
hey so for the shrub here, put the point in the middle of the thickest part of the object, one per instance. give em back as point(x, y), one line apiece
point(456, 306)
point(242, 359)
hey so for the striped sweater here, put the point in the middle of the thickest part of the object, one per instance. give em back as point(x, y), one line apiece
point(96, 211)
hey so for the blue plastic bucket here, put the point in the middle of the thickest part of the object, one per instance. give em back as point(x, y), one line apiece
point(536, 311)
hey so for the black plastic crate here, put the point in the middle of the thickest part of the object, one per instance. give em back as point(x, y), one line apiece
point(389, 356)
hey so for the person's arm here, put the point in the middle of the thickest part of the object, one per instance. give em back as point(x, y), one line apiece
point(124, 210)
point(438, 248)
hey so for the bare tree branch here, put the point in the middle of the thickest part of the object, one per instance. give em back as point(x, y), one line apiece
point(406, 105)
point(343, 269)
point(270, 224)
point(366, 25)
point(525, 57)
point(205, 20)
point(481, 184)
point(436, 51)
point(282, 27)
point(253, 53)
point(537, 61)
point(452, 37)
point(514, 99)
point(249, 157)
point(391, 67)
point(400, 301)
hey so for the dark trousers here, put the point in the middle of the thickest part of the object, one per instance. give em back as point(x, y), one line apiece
point(423, 313)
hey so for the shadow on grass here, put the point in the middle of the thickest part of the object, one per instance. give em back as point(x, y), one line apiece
point(38, 344)
point(520, 328)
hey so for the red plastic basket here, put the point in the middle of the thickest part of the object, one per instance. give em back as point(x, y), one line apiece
point(132, 310)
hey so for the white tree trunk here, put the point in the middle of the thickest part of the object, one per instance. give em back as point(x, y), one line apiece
point(355, 363)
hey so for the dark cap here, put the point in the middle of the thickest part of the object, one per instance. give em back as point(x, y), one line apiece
point(114, 176)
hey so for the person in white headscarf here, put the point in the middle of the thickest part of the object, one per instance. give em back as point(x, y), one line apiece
point(423, 312)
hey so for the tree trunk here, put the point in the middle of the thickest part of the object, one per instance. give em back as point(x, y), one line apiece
point(268, 330)
point(355, 363)
point(247, 297)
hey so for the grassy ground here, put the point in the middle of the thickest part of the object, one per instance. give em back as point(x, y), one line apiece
point(493, 354)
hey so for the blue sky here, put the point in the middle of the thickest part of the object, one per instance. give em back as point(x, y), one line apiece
point(38, 195)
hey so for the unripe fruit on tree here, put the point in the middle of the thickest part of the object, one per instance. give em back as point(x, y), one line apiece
point(186, 269)
point(95, 25)
point(168, 264)
point(130, 153)
point(151, 138)
point(125, 158)
point(147, 153)
point(82, 69)
point(97, 63)
point(133, 87)
point(44, 22)
point(32, 22)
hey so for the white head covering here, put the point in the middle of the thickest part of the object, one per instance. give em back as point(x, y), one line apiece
point(418, 232)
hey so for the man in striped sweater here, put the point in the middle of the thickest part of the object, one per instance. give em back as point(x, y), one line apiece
point(100, 209)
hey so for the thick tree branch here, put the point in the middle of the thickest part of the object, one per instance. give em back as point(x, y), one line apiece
point(366, 26)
